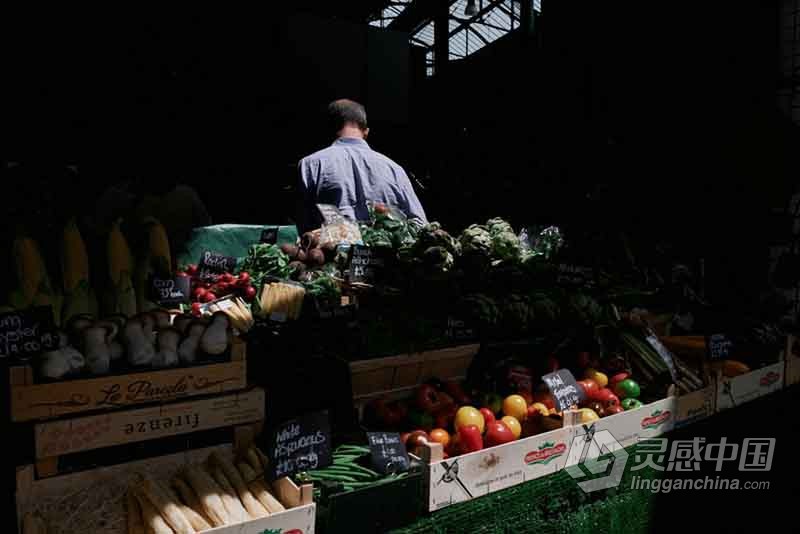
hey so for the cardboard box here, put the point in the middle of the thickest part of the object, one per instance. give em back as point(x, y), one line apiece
point(749, 386)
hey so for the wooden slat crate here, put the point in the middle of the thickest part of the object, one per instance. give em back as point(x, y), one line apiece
point(31, 401)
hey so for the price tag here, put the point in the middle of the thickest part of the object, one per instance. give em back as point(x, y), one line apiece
point(25, 333)
point(575, 275)
point(330, 213)
point(212, 264)
point(565, 390)
point(367, 264)
point(269, 236)
point(719, 347)
point(388, 452)
point(457, 330)
point(301, 444)
point(170, 292)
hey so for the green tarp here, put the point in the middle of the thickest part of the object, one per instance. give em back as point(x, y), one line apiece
point(230, 240)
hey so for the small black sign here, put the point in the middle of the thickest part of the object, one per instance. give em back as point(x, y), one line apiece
point(25, 333)
point(170, 291)
point(457, 330)
point(565, 390)
point(367, 264)
point(212, 264)
point(575, 275)
point(269, 236)
point(719, 347)
point(388, 452)
point(301, 444)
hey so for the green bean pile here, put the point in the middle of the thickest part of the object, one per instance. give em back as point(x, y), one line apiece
point(346, 472)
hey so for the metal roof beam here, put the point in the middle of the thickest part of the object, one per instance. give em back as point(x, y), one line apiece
point(417, 13)
point(486, 9)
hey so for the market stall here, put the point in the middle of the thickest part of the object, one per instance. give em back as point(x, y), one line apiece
point(300, 382)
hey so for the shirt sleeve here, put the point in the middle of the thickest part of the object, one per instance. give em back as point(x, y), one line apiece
point(413, 207)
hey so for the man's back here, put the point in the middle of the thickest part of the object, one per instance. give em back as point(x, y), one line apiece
point(348, 174)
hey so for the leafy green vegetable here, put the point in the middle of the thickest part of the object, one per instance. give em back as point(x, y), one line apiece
point(263, 261)
point(476, 239)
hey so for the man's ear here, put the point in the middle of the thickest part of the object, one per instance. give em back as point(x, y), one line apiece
point(366, 132)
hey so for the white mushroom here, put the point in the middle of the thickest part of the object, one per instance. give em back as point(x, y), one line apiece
point(55, 364)
point(167, 355)
point(113, 342)
point(187, 351)
point(215, 339)
point(138, 346)
point(181, 322)
point(98, 350)
point(75, 327)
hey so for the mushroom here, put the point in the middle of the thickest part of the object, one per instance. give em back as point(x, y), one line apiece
point(162, 318)
point(187, 351)
point(116, 347)
point(96, 341)
point(54, 363)
point(75, 327)
point(138, 345)
point(215, 339)
point(181, 322)
point(167, 355)
point(117, 319)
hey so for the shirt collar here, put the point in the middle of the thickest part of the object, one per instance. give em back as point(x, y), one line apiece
point(351, 141)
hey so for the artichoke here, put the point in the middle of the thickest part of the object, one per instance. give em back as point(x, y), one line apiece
point(438, 258)
point(505, 246)
point(498, 226)
point(433, 235)
point(517, 314)
point(376, 237)
point(476, 240)
point(480, 310)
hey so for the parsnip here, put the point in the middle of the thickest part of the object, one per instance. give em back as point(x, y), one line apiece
point(210, 495)
point(253, 507)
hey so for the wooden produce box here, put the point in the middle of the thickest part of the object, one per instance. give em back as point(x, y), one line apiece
point(94, 501)
point(695, 406)
point(792, 361)
point(473, 475)
point(376, 377)
point(32, 401)
point(749, 386)
point(84, 433)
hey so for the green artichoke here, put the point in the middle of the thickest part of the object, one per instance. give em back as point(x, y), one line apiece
point(476, 240)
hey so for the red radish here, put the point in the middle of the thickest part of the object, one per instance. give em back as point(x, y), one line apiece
point(227, 278)
point(244, 277)
point(191, 269)
point(199, 292)
point(208, 296)
point(196, 308)
point(249, 293)
point(181, 274)
point(222, 288)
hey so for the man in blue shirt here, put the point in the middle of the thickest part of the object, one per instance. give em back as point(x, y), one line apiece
point(349, 173)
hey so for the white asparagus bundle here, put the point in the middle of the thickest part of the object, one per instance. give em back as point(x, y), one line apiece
point(253, 506)
point(209, 494)
point(254, 460)
point(199, 524)
point(229, 498)
point(259, 489)
point(135, 521)
point(153, 522)
point(166, 505)
point(189, 497)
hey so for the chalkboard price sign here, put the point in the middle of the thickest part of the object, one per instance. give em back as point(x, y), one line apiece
point(575, 275)
point(388, 452)
point(171, 291)
point(719, 347)
point(269, 236)
point(300, 444)
point(25, 333)
point(212, 264)
point(565, 390)
point(366, 264)
point(457, 330)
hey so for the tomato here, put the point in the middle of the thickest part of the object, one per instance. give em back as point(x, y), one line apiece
point(606, 396)
point(499, 433)
point(587, 415)
point(515, 406)
point(619, 377)
point(631, 404)
point(537, 408)
point(440, 435)
point(597, 376)
point(467, 415)
point(590, 387)
point(488, 416)
point(513, 424)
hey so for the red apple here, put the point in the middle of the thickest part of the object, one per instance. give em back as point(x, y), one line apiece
point(497, 433)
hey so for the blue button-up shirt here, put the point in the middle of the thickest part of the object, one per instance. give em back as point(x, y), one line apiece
point(349, 173)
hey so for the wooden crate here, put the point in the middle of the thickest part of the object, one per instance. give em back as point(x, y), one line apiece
point(94, 501)
point(31, 401)
point(376, 377)
point(78, 434)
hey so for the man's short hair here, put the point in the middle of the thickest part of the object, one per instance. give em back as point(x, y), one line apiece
point(341, 112)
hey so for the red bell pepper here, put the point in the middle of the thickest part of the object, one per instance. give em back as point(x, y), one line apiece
point(470, 439)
